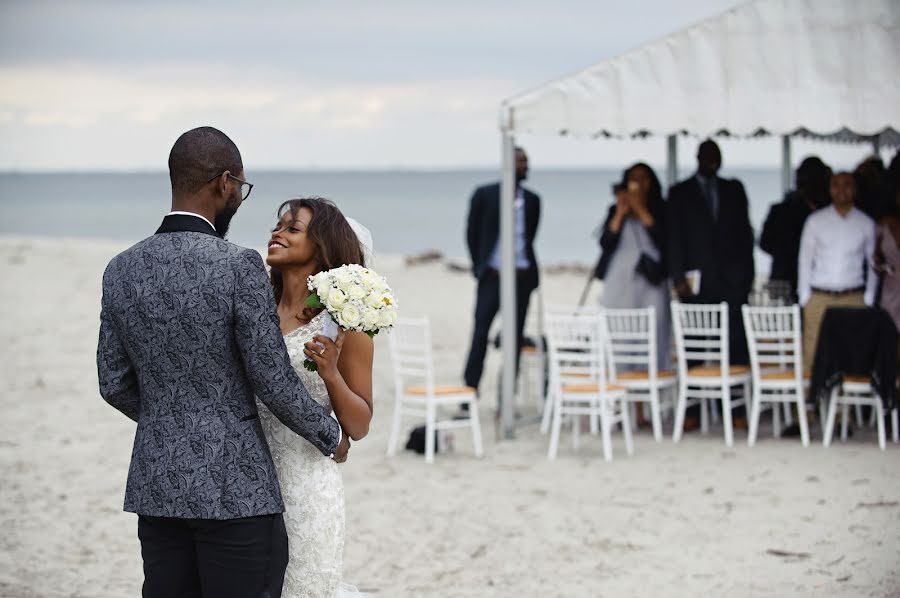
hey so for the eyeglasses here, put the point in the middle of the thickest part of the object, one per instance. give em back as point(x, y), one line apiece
point(246, 187)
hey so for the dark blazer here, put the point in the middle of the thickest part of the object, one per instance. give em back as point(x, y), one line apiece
point(721, 249)
point(188, 335)
point(609, 240)
point(483, 229)
point(780, 236)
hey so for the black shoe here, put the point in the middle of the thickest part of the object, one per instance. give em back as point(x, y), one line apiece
point(463, 412)
point(792, 431)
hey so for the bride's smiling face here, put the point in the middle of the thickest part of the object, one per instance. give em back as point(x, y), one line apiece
point(290, 245)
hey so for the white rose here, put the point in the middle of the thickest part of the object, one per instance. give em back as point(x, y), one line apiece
point(336, 299)
point(386, 318)
point(343, 278)
point(350, 316)
point(356, 291)
point(375, 300)
point(370, 279)
point(370, 319)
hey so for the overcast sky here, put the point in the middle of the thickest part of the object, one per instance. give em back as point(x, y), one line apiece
point(109, 85)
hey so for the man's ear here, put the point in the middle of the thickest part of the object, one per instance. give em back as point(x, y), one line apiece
point(222, 182)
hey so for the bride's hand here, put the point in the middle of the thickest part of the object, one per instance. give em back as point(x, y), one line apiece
point(325, 353)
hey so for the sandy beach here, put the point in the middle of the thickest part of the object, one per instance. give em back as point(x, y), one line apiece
point(687, 520)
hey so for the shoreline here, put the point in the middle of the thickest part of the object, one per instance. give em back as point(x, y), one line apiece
point(410, 259)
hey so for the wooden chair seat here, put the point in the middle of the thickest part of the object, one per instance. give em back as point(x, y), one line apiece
point(590, 387)
point(858, 378)
point(565, 374)
point(440, 390)
point(715, 372)
point(643, 375)
point(785, 375)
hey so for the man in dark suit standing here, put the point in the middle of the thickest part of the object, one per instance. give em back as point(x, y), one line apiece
point(781, 231)
point(189, 336)
point(483, 238)
point(710, 231)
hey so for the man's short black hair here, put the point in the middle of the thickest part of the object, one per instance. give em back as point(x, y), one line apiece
point(199, 155)
point(708, 145)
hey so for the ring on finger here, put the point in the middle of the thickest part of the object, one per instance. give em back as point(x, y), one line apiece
point(322, 352)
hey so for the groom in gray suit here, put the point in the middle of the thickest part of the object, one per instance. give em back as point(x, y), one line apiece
point(188, 336)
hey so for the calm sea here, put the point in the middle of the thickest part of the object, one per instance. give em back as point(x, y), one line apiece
point(407, 211)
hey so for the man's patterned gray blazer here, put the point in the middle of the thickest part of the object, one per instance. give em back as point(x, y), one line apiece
point(188, 335)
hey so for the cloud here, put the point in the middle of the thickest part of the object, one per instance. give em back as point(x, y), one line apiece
point(109, 84)
point(341, 125)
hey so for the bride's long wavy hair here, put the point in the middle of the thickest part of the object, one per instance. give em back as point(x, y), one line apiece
point(336, 242)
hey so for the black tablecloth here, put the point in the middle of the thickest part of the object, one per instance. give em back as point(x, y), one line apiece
point(856, 341)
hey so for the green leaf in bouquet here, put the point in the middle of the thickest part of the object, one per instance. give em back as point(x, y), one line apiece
point(314, 301)
point(310, 365)
point(371, 333)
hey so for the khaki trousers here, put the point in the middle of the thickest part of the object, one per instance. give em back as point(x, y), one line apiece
point(814, 311)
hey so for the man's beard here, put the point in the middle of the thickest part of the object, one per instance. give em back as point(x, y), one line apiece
point(223, 218)
point(223, 221)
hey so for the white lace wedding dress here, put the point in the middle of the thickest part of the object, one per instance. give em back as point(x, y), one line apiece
point(312, 489)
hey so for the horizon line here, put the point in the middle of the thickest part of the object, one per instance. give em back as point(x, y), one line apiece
point(683, 168)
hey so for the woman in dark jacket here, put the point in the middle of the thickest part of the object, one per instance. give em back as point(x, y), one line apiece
point(633, 253)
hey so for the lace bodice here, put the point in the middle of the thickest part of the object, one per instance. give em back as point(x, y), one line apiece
point(295, 340)
point(312, 489)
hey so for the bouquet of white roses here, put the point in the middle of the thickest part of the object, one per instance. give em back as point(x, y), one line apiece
point(356, 298)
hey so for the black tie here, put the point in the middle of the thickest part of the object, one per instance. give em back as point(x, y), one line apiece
point(709, 191)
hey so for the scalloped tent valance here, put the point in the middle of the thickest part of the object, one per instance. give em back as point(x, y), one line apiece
point(828, 69)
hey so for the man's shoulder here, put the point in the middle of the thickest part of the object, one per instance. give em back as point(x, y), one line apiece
point(731, 184)
point(867, 225)
point(201, 246)
point(487, 189)
point(819, 217)
point(681, 187)
point(122, 259)
point(780, 207)
point(492, 190)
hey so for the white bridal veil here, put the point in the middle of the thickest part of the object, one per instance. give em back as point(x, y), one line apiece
point(365, 239)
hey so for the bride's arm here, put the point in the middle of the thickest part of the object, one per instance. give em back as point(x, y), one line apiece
point(349, 382)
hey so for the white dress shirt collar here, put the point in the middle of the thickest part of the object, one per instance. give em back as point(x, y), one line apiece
point(179, 213)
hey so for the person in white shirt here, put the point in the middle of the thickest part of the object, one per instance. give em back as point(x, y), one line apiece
point(835, 265)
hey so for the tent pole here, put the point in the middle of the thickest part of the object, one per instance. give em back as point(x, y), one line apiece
point(671, 160)
point(786, 163)
point(507, 281)
point(876, 146)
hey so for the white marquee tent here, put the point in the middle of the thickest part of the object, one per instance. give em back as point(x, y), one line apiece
point(820, 68)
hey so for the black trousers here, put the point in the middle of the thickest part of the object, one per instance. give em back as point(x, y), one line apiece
point(487, 304)
point(205, 558)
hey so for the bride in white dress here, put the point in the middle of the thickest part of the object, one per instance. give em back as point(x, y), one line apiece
point(311, 236)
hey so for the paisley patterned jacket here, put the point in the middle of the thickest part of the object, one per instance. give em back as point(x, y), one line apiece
point(188, 335)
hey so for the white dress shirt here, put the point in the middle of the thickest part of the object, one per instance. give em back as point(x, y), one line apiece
point(835, 252)
point(203, 218)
